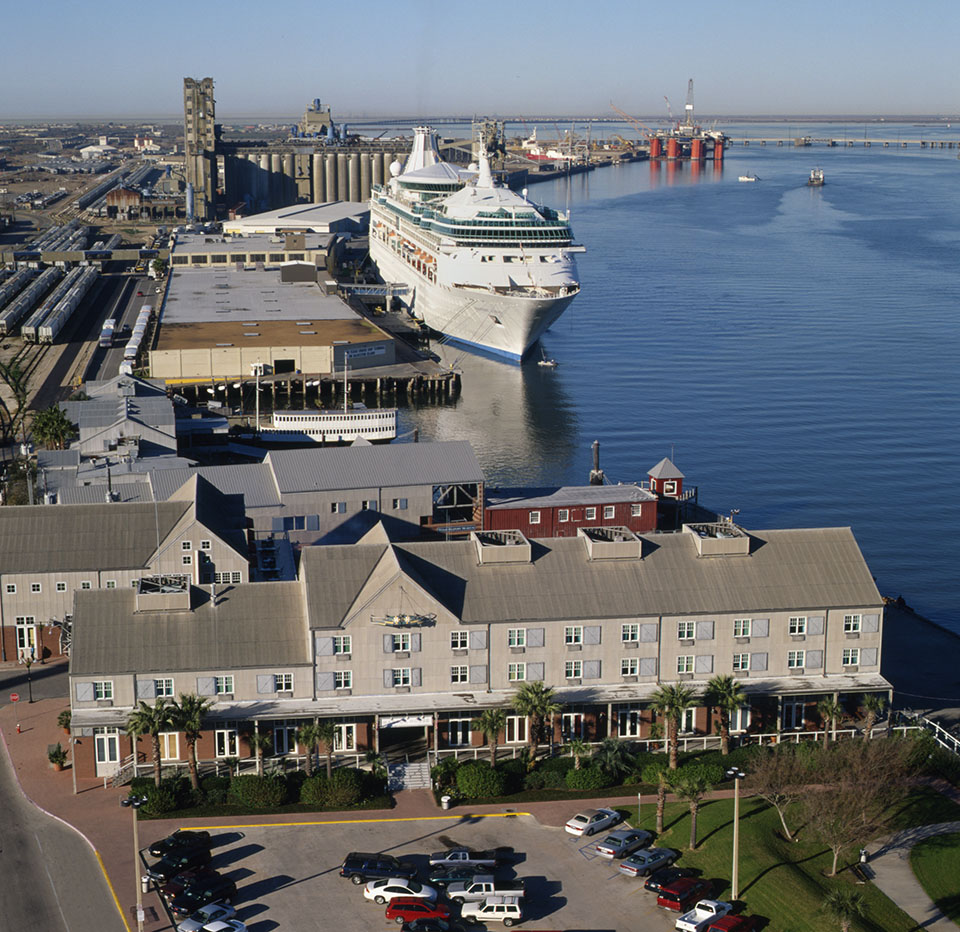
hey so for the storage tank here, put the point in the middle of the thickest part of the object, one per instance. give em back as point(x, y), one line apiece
point(365, 175)
point(318, 180)
point(353, 176)
point(343, 185)
point(377, 161)
point(190, 201)
point(330, 176)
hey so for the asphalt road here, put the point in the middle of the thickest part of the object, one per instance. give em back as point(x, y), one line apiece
point(46, 681)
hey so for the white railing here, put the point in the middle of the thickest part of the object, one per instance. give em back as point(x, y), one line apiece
point(945, 738)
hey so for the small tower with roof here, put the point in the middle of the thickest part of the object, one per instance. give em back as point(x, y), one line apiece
point(666, 480)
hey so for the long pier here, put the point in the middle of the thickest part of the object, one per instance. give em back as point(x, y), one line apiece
point(830, 142)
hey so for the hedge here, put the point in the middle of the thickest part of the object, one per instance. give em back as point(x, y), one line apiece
point(478, 779)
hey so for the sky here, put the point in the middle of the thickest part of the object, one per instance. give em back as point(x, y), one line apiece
point(426, 57)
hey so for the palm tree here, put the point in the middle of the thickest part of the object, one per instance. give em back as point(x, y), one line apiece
point(726, 695)
point(579, 749)
point(657, 773)
point(671, 701)
point(831, 712)
point(845, 905)
point(260, 741)
point(490, 723)
point(151, 720)
point(692, 784)
point(327, 735)
point(873, 704)
point(52, 427)
point(308, 734)
point(614, 756)
point(536, 702)
point(188, 716)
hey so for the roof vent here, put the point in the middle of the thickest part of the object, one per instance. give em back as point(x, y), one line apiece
point(719, 539)
point(611, 543)
point(501, 547)
point(163, 593)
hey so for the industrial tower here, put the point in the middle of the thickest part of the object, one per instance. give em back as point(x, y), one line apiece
point(200, 141)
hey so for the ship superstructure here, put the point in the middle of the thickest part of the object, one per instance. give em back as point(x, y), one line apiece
point(485, 265)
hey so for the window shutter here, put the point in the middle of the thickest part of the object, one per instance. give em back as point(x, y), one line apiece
point(276, 523)
point(325, 681)
point(870, 624)
point(591, 634)
point(478, 640)
point(388, 643)
point(388, 678)
point(815, 625)
point(813, 659)
point(146, 689)
point(84, 692)
point(705, 632)
point(648, 666)
point(415, 641)
point(760, 628)
point(535, 672)
point(534, 637)
point(703, 663)
point(868, 657)
point(648, 633)
point(478, 673)
point(313, 522)
point(324, 646)
point(591, 669)
point(206, 686)
point(266, 683)
point(416, 677)
point(758, 662)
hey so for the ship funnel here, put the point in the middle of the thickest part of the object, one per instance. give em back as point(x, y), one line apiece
point(424, 151)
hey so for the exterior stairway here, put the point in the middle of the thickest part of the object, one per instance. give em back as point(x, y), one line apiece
point(412, 775)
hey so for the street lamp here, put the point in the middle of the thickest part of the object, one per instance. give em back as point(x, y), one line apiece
point(134, 803)
point(28, 663)
point(736, 774)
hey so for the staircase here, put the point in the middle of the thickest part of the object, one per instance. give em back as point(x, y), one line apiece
point(411, 775)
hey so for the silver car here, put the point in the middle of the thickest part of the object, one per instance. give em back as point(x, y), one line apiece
point(205, 915)
point(647, 860)
point(591, 821)
point(622, 842)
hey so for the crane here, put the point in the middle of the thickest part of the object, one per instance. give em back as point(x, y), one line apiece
point(669, 108)
point(636, 123)
point(688, 108)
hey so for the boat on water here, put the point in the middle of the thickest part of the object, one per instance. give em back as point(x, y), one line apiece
point(749, 177)
point(816, 178)
point(377, 425)
point(485, 266)
point(546, 361)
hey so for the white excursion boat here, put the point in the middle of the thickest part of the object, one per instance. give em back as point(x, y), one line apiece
point(316, 426)
point(485, 266)
point(749, 178)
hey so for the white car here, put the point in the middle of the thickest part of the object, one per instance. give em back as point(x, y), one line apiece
point(704, 913)
point(382, 891)
point(591, 821)
point(622, 842)
point(212, 912)
point(225, 925)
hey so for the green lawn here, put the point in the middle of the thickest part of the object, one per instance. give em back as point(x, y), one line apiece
point(779, 880)
point(936, 862)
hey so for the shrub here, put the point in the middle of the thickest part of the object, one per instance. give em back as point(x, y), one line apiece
point(944, 763)
point(294, 781)
point(478, 779)
point(556, 764)
point(554, 780)
point(711, 773)
point(173, 793)
point(215, 789)
point(444, 774)
point(587, 778)
point(140, 786)
point(313, 792)
point(255, 792)
point(535, 780)
point(513, 773)
point(344, 788)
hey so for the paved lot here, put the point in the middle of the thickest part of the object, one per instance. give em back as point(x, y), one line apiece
point(287, 876)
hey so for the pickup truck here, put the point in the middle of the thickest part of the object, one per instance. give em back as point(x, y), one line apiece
point(505, 909)
point(482, 886)
point(702, 915)
point(466, 856)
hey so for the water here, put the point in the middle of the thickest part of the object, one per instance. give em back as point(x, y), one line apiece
point(794, 349)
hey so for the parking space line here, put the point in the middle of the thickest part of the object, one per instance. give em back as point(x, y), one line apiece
point(113, 892)
point(458, 818)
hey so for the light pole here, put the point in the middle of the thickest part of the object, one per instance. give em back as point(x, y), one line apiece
point(736, 774)
point(134, 803)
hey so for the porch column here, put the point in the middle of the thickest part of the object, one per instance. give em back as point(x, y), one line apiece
point(779, 717)
point(376, 733)
point(436, 736)
point(610, 720)
point(833, 723)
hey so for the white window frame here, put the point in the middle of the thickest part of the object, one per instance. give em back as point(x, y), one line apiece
point(86, 584)
point(226, 742)
point(11, 588)
point(102, 690)
point(515, 730)
point(686, 630)
point(797, 625)
point(688, 721)
point(186, 559)
point(516, 672)
point(342, 644)
point(223, 684)
point(400, 504)
point(573, 634)
point(163, 687)
point(636, 510)
point(571, 726)
point(852, 624)
point(26, 637)
point(590, 514)
point(741, 663)
point(402, 676)
point(345, 737)
point(609, 511)
point(186, 545)
point(110, 584)
point(61, 587)
point(459, 733)
point(563, 515)
point(630, 632)
point(343, 679)
point(573, 669)
point(740, 719)
point(401, 642)
point(283, 682)
point(169, 739)
point(850, 657)
point(629, 666)
point(516, 637)
point(742, 627)
point(629, 722)
point(796, 659)
point(206, 545)
point(459, 640)
point(533, 517)
point(685, 663)
point(36, 588)
point(459, 673)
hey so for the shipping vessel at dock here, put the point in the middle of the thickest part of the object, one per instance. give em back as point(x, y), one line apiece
point(485, 266)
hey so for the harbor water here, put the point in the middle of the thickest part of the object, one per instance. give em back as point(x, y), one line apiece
point(796, 350)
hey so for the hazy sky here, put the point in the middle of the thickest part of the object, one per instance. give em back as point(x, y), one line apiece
point(428, 57)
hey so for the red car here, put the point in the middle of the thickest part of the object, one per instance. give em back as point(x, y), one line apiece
point(680, 895)
point(407, 908)
point(178, 884)
point(735, 924)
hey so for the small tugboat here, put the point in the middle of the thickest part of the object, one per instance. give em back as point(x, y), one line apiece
point(544, 361)
point(816, 178)
point(749, 177)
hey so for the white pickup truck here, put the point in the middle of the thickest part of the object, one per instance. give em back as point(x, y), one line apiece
point(505, 909)
point(705, 912)
point(462, 857)
point(482, 886)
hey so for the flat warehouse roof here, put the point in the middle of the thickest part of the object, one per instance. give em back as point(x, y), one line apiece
point(203, 243)
point(228, 333)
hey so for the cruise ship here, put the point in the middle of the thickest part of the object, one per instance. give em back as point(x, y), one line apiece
point(484, 265)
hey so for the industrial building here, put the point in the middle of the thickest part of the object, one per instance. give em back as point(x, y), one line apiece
point(330, 217)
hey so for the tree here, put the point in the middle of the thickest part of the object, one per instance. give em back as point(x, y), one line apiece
point(52, 427)
point(671, 701)
point(845, 905)
point(779, 777)
point(490, 722)
point(657, 773)
point(327, 735)
point(151, 720)
point(873, 704)
point(726, 695)
point(308, 734)
point(691, 784)
point(535, 701)
point(261, 742)
point(614, 756)
point(831, 712)
point(578, 749)
point(188, 715)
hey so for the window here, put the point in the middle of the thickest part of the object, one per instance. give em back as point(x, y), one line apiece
point(459, 732)
point(685, 630)
point(338, 508)
point(629, 722)
point(163, 687)
point(11, 588)
point(798, 625)
point(516, 729)
point(36, 587)
point(516, 637)
point(851, 656)
point(458, 640)
point(345, 738)
point(571, 725)
point(343, 679)
point(226, 742)
point(458, 674)
point(283, 682)
point(685, 663)
point(741, 662)
point(636, 510)
point(401, 641)
point(851, 624)
point(687, 721)
point(796, 659)
point(563, 515)
point(629, 666)
point(169, 745)
point(573, 634)
point(741, 627)
point(186, 545)
point(342, 644)
point(206, 545)
point(224, 685)
point(399, 504)
point(534, 517)
point(85, 584)
point(187, 559)
point(368, 505)
point(608, 511)
point(590, 514)
point(61, 587)
point(111, 584)
point(26, 638)
point(103, 689)
point(401, 676)
point(573, 669)
point(516, 672)
point(740, 719)
point(227, 578)
point(670, 487)
point(630, 632)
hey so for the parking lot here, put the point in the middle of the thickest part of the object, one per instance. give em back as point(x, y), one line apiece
point(288, 876)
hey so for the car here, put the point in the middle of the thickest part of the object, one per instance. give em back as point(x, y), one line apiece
point(505, 909)
point(139, 294)
point(647, 860)
point(178, 841)
point(381, 891)
point(441, 876)
point(666, 875)
point(591, 821)
point(212, 912)
point(176, 885)
point(703, 914)
point(622, 842)
point(407, 908)
point(200, 894)
point(360, 867)
point(429, 925)
point(225, 925)
point(735, 924)
point(680, 895)
point(176, 862)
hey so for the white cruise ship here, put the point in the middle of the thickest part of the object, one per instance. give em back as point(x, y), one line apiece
point(485, 266)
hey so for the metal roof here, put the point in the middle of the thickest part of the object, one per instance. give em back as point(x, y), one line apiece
point(500, 499)
point(254, 481)
point(665, 470)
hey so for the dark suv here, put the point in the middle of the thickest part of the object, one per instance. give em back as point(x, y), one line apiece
point(177, 862)
point(180, 842)
point(216, 890)
point(361, 867)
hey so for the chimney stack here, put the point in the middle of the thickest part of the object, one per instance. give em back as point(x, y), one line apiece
point(596, 474)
